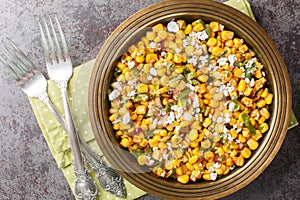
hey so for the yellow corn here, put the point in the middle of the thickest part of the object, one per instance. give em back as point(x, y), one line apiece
point(261, 103)
point(243, 48)
point(227, 35)
point(214, 26)
point(211, 42)
point(237, 42)
point(257, 135)
point(207, 122)
point(252, 144)
point(142, 88)
point(264, 127)
point(269, 99)
point(125, 142)
point(183, 179)
point(242, 85)
point(162, 34)
point(157, 27)
point(142, 159)
point(238, 73)
point(151, 58)
point(177, 58)
point(246, 152)
point(141, 109)
point(188, 29)
point(198, 27)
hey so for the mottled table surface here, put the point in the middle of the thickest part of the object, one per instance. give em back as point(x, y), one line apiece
point(28, 171)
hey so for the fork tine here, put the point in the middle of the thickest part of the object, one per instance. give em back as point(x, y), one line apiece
point(63, 40)
point(27, 64)
point(12, 63)
point(59, 55)
point(44, 43)
point(11, 71)
point(50, 41)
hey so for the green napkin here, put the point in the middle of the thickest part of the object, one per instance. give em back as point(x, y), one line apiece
point(57, 139)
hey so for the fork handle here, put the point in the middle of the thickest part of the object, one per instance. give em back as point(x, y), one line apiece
point(74, 140)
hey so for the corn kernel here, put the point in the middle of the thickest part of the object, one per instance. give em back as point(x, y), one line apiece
point(227, 35)
point(207, 122)
point(264, 127)
point(125, 142)
point(238, 73)
point(142, 88)
point(198, 27)
point(242, 85)
point(252, 144)
point(269, 99)
point(177, 58)
point(151, 58)
point(243, 48)
point(141, 109)
point(261, 103)
point(237, 42)
point(183, 179)
point(257, 135)
point(246, 153)
point(142, 159)
point(241, 138)
point(239, 161)
point(188, 29)
point(211, 42)
point(157, 27)
point(214, 26)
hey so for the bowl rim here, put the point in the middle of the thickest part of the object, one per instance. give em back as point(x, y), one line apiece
point(282, 94)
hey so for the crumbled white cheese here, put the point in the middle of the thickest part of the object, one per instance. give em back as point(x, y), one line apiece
point(202, 35)
point(152, 45)
point(232, 58)
point(172, 27)
point(131, 93)
point(153, 71)
point(117, 85)
point(187, 116)
point(252, 83)
point(220, 120)
point(131, 64)
point(126, 118)
point(213, 176)
point(222, 27)
point(222, 61)
point(114, 94)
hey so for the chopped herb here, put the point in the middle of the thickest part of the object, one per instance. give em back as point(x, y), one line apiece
point(135, 73)
point(183, 94)
point(140, 97)
point(168, 107)
point(117, 73)
point(248, 123)
point(152, 96)
point(194, 82)
point(207, 30)
point(170, 66)
point(236, 102)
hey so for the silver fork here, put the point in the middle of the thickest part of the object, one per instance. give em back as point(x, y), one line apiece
point(60, 70)
point(34, 84)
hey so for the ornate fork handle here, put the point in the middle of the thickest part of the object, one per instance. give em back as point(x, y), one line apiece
point(85, 187)
point(108, 178)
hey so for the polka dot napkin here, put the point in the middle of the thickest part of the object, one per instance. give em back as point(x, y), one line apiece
point(57, 138)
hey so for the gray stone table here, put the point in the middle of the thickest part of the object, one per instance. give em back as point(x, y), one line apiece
point(28, 170)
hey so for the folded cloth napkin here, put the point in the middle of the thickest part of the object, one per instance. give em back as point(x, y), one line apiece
point(57, 139)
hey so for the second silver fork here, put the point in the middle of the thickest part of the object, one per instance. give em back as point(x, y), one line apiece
point(60, 70)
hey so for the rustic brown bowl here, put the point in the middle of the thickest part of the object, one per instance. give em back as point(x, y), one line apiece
point(128, 33)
